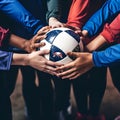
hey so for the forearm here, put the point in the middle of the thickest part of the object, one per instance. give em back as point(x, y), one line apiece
point(17, 41)
point(20, 16)
point(53, 9)
point(108, 57)
point(96, 43)
point(111, 32)
point(19, 59)
point(103, 15)
point(78, 13)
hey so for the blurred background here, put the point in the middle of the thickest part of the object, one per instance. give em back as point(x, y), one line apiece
point(110, 105)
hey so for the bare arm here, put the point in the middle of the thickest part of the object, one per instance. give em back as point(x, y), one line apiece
point(35, 60)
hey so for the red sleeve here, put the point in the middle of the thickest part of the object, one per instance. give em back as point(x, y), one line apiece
point(4, 36)
point(81, 10)
point(111, 32)
point(78, 13)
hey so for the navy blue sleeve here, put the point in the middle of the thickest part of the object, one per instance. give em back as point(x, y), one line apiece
point(15, 11)
point(108, 57)
point(106, 13)
point(5, 60)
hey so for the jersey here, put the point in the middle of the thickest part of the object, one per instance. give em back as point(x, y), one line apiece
point(108, 57)
point(5, 57)
point(106, 13)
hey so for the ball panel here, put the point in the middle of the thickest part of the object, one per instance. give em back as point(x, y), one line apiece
point(74, 35)
point(65, 42)
point(56, 54)
point(65, 60)
point(52, 35)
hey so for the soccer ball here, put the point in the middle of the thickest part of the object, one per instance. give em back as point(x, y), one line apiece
point(60, 41)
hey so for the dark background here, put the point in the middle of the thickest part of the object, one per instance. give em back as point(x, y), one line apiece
point(110, 105)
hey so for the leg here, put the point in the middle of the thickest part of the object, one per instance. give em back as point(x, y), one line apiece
point(97, 86)
point(114, 70)
point(30, 93)
point(7, 84)
point(81, 92)
point(62, 98)
point(46, 95)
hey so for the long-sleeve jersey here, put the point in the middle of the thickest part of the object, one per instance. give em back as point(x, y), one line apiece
point(95, 24)
point(19, 16)
point(108, 57)
point(106, 13)
point(5, 57)
point(30, 15)
point(25, 18)
point(81, 10)
point(111, 32)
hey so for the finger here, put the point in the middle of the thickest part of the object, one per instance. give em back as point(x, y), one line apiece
point(53, 64)
point(67, 72)
point(50, 72)
point(74, 77)
point(46, 28)
point(72, 54)
point(64, 67)
point(37, 45)
point(43, 52)
point(69, 76)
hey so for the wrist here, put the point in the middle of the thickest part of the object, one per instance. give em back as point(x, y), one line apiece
point(26, 60)
point(20, 59)
point(52, 19)
point(90, 57)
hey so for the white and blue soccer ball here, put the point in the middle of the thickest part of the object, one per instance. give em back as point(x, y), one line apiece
point(60, 41)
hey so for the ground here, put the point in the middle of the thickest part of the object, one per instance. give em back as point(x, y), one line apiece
point(110, 105)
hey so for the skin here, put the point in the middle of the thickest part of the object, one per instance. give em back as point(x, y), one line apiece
point(36, 60)
point(32, 44)
point(54, 23)
point(83, 61)
point(33, 58)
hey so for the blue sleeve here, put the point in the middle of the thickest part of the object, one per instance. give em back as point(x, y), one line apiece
point(5, 60)
point(106, 13)
point(16, 12)
point(108, 57)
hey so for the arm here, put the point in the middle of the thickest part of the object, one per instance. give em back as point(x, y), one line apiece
point(34, 59)
point(109, 10)
point(16, 12)
point(78, 13)
point(110, 33)
point(85, 61)
point(108, 57)
point(5, 60)
point(53, 14)
point(33, 43)
point(28, 45)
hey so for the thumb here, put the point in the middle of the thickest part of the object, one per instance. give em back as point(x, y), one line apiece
point(85, 33)
point(72, 55)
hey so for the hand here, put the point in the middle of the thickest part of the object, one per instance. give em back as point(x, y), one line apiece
point(32, 44)
point(76, 29)
point(54, 23)
point(81, 64)
point(37, 61)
